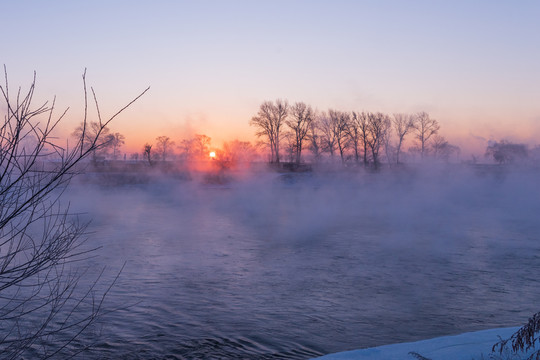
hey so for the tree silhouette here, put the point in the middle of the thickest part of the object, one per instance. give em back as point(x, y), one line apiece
point(357, 130)
point(425, 128)
point(147, 153)
point(300, 119)
point(269, 121)
point(328, 135)
point(442, 149)
point(403, 124)
point(314, 138)
point(339, 123)
point(89, 131)
point(164, 146)
point(377, 126)
point(117, 140)
point(201, 146)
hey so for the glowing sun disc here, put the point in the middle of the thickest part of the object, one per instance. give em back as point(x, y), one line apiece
point(212, 154)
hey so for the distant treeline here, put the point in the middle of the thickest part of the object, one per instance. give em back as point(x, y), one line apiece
point(297, 134)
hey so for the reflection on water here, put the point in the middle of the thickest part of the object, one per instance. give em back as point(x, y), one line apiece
point(269, 270)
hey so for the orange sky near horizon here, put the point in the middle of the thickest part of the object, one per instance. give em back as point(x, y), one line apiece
point(140, 124)
point(470, 128)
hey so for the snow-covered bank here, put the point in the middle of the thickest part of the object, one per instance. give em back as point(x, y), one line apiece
point(467, 346)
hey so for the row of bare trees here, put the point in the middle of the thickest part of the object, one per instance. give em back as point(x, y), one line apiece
point(194, 148)
point(361, 137)
point(164, 147)
point(198, 148)
point(366, 138)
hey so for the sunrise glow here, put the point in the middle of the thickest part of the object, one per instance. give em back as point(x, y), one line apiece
point(240, 179)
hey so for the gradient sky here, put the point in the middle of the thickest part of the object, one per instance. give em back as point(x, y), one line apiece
point(473, 65)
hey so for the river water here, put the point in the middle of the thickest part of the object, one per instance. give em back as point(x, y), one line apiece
point(300, 266)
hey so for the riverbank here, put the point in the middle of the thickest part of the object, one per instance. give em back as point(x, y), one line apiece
point(467, 346)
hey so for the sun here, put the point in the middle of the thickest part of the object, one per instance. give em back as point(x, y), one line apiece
point(212, 154)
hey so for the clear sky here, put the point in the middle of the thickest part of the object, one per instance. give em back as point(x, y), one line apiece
point(473, 65)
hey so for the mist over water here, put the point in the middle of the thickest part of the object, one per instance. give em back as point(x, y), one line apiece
point(299, 265)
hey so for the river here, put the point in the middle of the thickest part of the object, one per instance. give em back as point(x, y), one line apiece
point(280, 267)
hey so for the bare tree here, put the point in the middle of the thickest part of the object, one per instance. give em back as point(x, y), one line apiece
point(301, 118)
point(237, 151)
point(196, 148)
point(186, 149)
point(290, 147)
point(164, 146)
point(314, 138)
point(353, 132)
point(339, 121)
point(94, 130)
point(328, 135)
point(439, 147)
point(43, 309)
point(117, 140)
point(357, 130)
point(403, 124)
point(389, 148)
point(269, 121)
point(201, 146)
point(147, 153)
point(334, 135)
point(377, 126)
point(425, 128)
point(442, 149)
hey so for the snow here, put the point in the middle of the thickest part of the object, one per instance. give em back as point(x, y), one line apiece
point(466, 346)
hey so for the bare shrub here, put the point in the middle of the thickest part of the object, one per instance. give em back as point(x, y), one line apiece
point(43, 307)
point(525, 339)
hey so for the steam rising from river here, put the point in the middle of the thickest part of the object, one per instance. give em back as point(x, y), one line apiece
point(301, 264)
point(297, 208)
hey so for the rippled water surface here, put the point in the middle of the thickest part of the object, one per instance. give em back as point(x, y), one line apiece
point(275, 268)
